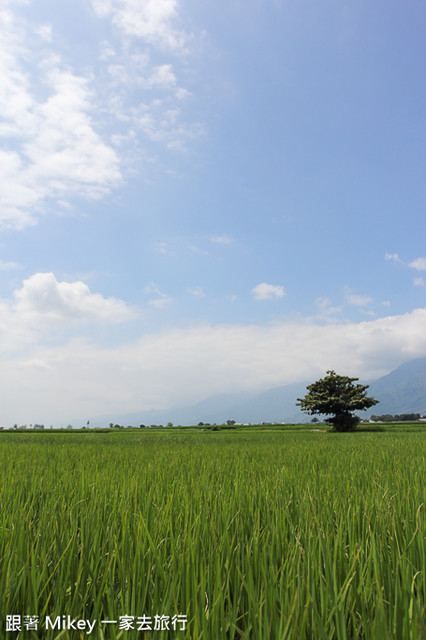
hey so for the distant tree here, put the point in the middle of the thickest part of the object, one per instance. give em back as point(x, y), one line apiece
point(385, 417)
point(170, 424)
point(408, 417)
point(230, 422)
point(338, 396)
point(404, 417)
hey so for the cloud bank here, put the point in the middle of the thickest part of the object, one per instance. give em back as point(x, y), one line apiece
point(83, 378)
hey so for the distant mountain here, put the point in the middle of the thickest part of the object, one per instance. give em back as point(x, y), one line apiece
point(217, 409)
point(274, 405)
point(401, 391)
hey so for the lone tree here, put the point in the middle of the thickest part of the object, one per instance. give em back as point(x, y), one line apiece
point(336, 395)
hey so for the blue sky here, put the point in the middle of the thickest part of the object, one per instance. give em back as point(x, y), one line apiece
point(206, 197)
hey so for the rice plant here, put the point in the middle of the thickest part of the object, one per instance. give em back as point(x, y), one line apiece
point(254, 535)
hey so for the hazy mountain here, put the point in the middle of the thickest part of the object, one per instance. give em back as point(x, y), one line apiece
point(274, 405)
point(217, 408)
point(401, 391)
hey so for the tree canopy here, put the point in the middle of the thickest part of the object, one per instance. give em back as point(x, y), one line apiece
point(339, 397)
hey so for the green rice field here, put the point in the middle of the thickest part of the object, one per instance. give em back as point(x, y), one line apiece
point(261, 535)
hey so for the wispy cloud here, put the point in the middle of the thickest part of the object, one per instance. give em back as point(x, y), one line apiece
point(145, 27)
point(393, 257)
point(52, 149)
point(419, 282)
point(326, 308)
point(197, 250)
point(165, 249)
point(356, 299)
point(198, 292)
point(5, 266)
point(265, 291)
point(161, 300)
point(223, 239)
point(154, 21)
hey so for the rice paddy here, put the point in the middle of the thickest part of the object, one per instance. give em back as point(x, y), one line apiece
point(261, 535)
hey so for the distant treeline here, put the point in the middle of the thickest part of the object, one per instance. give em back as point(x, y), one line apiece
point(404, 417)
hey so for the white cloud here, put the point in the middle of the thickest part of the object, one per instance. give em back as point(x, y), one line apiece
point(419, 282)
point(43, 305)
point(43, 301)
point(419, 264)
point(52, 149)
point(266, 291)
point(65, 153)
point(53, 119)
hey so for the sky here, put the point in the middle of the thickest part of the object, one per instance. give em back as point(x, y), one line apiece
point(206, 197)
